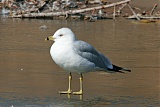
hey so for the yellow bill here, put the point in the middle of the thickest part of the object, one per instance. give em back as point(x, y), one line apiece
point(49, 38)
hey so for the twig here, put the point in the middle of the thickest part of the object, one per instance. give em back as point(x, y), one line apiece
point(114, 12)
point(154, 7)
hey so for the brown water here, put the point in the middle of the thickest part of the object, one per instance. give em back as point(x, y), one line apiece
point(29, 77)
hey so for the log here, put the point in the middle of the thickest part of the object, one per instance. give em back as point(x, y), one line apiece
point(144, 17)
point(52, 14)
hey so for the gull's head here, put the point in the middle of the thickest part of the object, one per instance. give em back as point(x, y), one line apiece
point(62, 35)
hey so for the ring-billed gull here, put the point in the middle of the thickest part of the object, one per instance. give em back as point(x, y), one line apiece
point(74, 55)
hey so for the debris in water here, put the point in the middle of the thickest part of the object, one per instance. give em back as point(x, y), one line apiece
point(43, 27)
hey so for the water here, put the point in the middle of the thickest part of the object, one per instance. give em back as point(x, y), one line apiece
point(29, 77)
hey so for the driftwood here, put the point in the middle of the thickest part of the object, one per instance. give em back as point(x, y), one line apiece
point(65, 13)
point(142, 18)
point(133, 12)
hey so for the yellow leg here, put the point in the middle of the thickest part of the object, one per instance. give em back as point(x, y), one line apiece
point(81, 86)
point(69, 91)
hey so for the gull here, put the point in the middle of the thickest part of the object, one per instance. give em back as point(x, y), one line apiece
point(74, 55)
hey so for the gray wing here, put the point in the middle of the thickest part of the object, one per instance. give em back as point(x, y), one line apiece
point(88, 52)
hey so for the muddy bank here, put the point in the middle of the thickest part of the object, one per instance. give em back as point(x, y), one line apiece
point(85, 10)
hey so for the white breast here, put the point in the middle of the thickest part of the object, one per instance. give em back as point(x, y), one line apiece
point(66, 57)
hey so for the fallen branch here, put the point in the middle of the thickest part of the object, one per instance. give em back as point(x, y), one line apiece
point(119, 10)
point(133, 12)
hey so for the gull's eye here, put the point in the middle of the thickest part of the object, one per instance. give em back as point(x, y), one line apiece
point(61, 35)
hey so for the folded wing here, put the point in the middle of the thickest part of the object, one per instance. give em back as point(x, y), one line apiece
point(88, 52)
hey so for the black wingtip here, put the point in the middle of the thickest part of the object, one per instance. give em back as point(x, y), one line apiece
point(120, 69)
point(129, 70)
